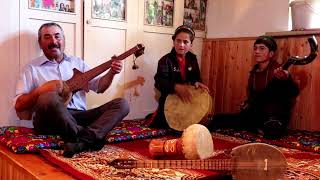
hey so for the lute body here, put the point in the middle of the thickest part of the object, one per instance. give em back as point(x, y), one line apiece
point(250, 161)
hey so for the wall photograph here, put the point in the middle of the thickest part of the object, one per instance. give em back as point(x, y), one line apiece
point(195, 14)
point(159, 12)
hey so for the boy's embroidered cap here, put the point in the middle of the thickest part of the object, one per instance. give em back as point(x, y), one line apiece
point(267, 41)
point(184, 28)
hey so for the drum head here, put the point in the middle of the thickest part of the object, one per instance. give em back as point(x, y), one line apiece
point(181, 115)
point(197, 142)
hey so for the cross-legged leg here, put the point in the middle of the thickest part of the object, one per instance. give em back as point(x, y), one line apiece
point(52, 117)
point(97, 123)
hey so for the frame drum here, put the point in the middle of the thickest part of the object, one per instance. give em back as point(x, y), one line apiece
point(180, 115)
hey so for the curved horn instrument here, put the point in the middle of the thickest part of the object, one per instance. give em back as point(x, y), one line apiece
point(296, 60)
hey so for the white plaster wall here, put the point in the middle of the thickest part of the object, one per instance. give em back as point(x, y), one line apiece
point(246, 18)
point(9, 59)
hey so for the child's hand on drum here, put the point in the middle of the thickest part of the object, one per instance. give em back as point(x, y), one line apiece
point(183, 93)
point(201, 85)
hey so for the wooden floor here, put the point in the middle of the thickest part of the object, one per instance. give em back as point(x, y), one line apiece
point(27, 166)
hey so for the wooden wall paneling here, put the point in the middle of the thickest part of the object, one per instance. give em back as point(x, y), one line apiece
point(226, 76)
point(214, 74)
point(283, 51)
point(206, 67)
point(315, 98)
point(311, 111)
point(206, 61)
point(221, 56)
point(302, 76)
point(306, 110)
point(232, 75)
point(229, 60)
point(245, 63)
point(234, 61)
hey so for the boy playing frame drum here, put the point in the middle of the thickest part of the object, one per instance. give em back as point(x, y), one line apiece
point(176, 71)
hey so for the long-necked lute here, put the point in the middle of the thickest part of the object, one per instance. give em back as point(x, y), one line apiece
point(79, 80)
point(250, 161)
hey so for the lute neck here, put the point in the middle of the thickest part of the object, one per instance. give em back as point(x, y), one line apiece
point(75, 83)
point(216, 164)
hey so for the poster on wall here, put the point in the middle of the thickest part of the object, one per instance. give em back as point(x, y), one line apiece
point(158, 12)
point(195, 14)
point(53, 5)
point(109, 9)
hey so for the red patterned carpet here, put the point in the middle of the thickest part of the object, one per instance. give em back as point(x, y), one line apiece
point(301, 149)
point(94, 165)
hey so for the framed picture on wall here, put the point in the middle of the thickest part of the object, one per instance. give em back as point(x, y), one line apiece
point(53, 5)
point(158, 12)
point(195, 14)
point(109, 9)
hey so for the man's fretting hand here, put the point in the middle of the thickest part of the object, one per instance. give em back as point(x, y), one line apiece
point(116, 66)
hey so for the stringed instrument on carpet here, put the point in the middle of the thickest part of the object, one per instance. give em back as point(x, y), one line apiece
point(80, 80)
point(250, 161)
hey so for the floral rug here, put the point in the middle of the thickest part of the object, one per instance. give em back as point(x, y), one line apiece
point(94, 165)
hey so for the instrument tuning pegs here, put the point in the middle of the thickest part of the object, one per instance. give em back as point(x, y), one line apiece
point(134, 67)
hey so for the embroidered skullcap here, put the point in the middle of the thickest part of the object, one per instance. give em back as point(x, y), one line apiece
point(184, 28)
point(267, 41)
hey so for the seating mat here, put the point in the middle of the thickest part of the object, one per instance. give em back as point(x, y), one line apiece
point(25, 140)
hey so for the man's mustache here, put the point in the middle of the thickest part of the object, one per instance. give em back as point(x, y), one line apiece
point(53, 46)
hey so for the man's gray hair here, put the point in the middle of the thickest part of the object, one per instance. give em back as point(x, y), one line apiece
point(49, 25)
